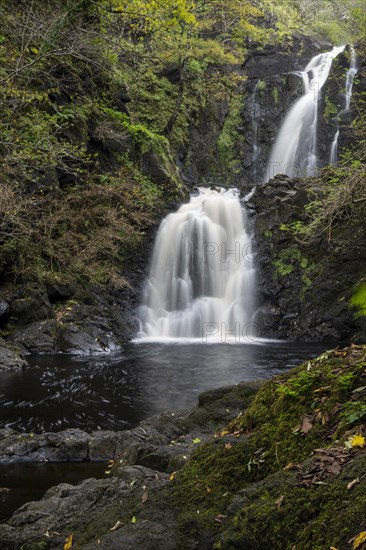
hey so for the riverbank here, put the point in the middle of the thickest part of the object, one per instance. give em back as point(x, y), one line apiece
point(290, 456)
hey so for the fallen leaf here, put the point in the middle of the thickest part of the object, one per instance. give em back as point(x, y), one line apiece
point(144, 497)
point(172, 476)
point(358, 441)
point(353, 483)
point(107, 472)
point(333, 548)
point(110, 463)
point(359, 540)
point(196, 440)
point(334, 468)
point(228, 445)
point(68, 542)
point(208, 489)
point(133, 520)
point(224, 432)
point(279, 501)
point(117, 525)
point(306, 425)
point(359, 390)
point(219, 518)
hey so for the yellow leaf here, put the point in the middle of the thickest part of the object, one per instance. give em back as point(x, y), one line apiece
point(359, 540)
point(171, 477)
point(133, 520)
point(68, 542)
point(196, 440)
point(358, 441)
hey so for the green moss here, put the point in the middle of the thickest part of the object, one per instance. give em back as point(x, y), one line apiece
point(290, 259)
point(275, 95)
point(261, 86)
point(310, 518)
point(330, 110)
point(243, 460)
point(283, 268)
point(229, 140)
point(358, 300)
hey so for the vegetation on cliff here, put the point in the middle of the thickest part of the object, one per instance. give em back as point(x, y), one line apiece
point(97, 99)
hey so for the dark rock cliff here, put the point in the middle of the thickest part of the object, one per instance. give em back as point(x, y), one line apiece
point(305, 290)
point(230, 141)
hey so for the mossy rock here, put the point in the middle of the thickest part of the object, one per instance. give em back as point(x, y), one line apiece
point(277, 476)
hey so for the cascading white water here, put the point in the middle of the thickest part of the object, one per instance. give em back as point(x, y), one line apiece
point(351, 73)
point(294, 151)
point(333, 157)
point(201, 279)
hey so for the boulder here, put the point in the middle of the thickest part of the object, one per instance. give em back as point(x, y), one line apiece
point(10, 359)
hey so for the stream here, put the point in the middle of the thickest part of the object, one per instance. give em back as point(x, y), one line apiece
point(117, 392)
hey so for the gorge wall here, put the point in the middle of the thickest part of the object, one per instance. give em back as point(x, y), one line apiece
point(78, 221)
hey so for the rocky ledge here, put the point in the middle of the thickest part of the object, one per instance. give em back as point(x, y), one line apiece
point(286, 472)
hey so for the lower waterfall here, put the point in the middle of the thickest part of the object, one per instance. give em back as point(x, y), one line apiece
point(201, 281)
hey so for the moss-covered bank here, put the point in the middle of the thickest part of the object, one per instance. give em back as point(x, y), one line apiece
point(288, 472)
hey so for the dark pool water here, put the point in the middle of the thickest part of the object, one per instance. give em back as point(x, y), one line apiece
point(117, 392)
point(23, 482)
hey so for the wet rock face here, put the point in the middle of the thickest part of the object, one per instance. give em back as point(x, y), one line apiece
point(4, 309)
point(304, 292)
point(247, 126)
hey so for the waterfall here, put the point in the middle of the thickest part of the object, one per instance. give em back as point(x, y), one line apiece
point(201, 280)
point(334, 149)
point(294, 151)
point(351, 73)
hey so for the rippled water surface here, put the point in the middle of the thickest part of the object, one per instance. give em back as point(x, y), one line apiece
point(117, 392)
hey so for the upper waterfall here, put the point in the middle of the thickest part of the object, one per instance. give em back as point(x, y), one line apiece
point(351, 73)
point(202, 275)
point(294, 151)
